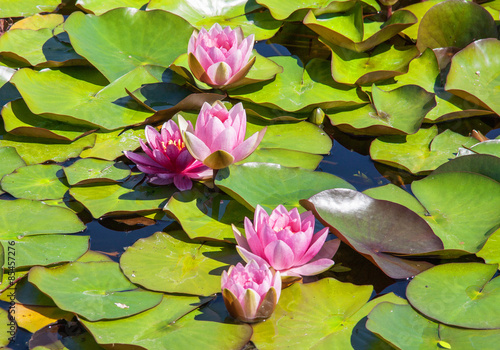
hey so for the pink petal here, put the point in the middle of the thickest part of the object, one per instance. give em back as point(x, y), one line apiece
point(328, 250)
point(234, 60)
point(196, 147)
point(140, 160)
point(172, 152)
point(146, 149)
point(163, 160)
point(261, 217)
point(279, 255)
point(183, 160)
point(246, 148)
point(225, 141)
point(153, 137)
point(192, 42)
point(216, 54)
point(213, 128)
point(299, 243)
point(310, 269)
point(248, 256)
point(220, 73)
point(161, 179)
point(242, 241)
point(267, 235)
point(203, 57)
point(253, 239)
point(316, 243)
point(199, 172)
point(250, 40)
point(182, 182)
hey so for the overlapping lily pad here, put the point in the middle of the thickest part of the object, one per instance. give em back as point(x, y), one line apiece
point(491, 147)
point(171, 263)
point(19, 120)
point(459, 294)
point(405, 328)
point(233, 13)
point(36, 182)
point(98, 7)
point(85, 95)
point(455, 24)
point(45, 250)
point(36, 150)
point(419, 9)
point(489, 252)
point(114, 42)
point(384, 62)
point(199, 215)
point(174, 324)
point(304, 321)
point(401, 110)
point(128, 197)
point(376, 229)
point(351, 31)
point(269, 184)
point(421, 152)
point(10, 160)
point(110, 145)
point(95, 290)
point(460, 207)
point(13, 8)
point(299, 88)
point(42, 219)
point(483, 164)
point(475, 74)
point(85, 171)
point(282, 10)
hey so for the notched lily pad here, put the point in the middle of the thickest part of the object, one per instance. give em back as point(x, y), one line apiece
point(85, 171)
point(10, 160)
point(95, 290)
point(171, 263)
point(377, 229)
point(459, 294)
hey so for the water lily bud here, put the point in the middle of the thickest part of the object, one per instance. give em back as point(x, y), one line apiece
point(285, 240)
point(317, 116)
point(220, 57)
point(251, 292)
point(219, 137)
point(167, 159)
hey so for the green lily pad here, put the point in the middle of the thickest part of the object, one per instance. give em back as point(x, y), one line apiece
point(113, 42)
point(460, 207)
point(171, 263)
point(263, 69)
point(489, 252)
point(475, 74)
point(405, 328)
point(86, 95)
point(46, 250)
point(43, 47)
point(351, 31)
point(401, 110)
point(14, 8)
point(22, 217)
point(483, 164)
point(94, 290)
point(459, 294)
point(421, 152)
point(19, 120)
point(8, 328)
point(376, 229)
point(384, 62)
point(110, 145)
point(34, 150)
point(36, 182)
point(39, 21)
point(174, 324)
point(98, 7)
point(455, 24)
point(491, 147)
point(271, 184)
point(282, 10)
point(319, 315)
point(85, 171)
point(299, 88)
point(54, 335)
point(419, 9)
point(199, 215)
point(284, 157)
point(10, 160)
point(125, 198)
point(239, 13)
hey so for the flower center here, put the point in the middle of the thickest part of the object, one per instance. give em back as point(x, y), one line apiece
point(177, 143)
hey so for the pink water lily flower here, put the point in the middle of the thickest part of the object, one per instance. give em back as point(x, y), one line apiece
point(167, 159)
point(220, 57)
point(251, 292)
point(219, 137)
point(286, 241)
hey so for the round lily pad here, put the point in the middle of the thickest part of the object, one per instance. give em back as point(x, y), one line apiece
point(171, 263)
point(455, 23)
point(377, 229)
point(405, 328)
point(475, 74)
point(459, 294)
point(319, 315)
point(90, 170)
point(95, 290)
point(113, 42)
point(37, 182)
point(22, 217)
point(175, 324)
point(271, 184)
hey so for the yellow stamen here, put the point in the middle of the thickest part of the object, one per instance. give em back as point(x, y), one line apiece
point(179, 144)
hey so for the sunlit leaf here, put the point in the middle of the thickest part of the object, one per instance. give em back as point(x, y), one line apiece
point(90, 170)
